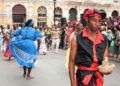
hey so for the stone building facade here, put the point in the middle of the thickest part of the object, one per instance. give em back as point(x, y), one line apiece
point(42, 11)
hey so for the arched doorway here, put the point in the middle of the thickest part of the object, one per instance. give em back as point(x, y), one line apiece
point(18, 14)
point(58, 14)
point(72, 14)
point(115, 13)
point(42, 16)
point(103, 13)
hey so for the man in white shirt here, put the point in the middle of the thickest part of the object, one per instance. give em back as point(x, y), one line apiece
point(56, 38)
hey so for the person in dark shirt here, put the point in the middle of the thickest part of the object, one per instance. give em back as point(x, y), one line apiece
point(88, 49)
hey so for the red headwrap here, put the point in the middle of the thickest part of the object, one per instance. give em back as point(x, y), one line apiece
point(90, 12)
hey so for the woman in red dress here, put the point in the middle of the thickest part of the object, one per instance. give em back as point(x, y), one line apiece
point(6, 38)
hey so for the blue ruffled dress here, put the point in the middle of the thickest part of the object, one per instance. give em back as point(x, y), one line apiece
point(22, 46)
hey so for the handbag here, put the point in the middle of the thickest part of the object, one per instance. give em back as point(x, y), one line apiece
point(106, 68)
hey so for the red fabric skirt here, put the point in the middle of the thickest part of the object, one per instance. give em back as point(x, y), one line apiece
point(7, 53)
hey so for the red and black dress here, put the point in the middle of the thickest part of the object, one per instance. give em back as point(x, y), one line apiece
point(89, 57)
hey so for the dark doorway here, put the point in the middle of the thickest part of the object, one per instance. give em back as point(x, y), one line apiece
point(18, 14)
point(58, 14)
point(72, 14)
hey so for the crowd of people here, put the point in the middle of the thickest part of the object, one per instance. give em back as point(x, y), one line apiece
point(111, 28)
point(58, 37)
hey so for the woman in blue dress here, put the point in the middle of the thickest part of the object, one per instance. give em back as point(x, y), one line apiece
point(23, 48)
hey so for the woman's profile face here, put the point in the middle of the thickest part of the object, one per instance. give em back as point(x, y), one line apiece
point(94, 23)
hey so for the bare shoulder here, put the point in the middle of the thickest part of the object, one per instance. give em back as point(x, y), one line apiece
point(73, 40)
